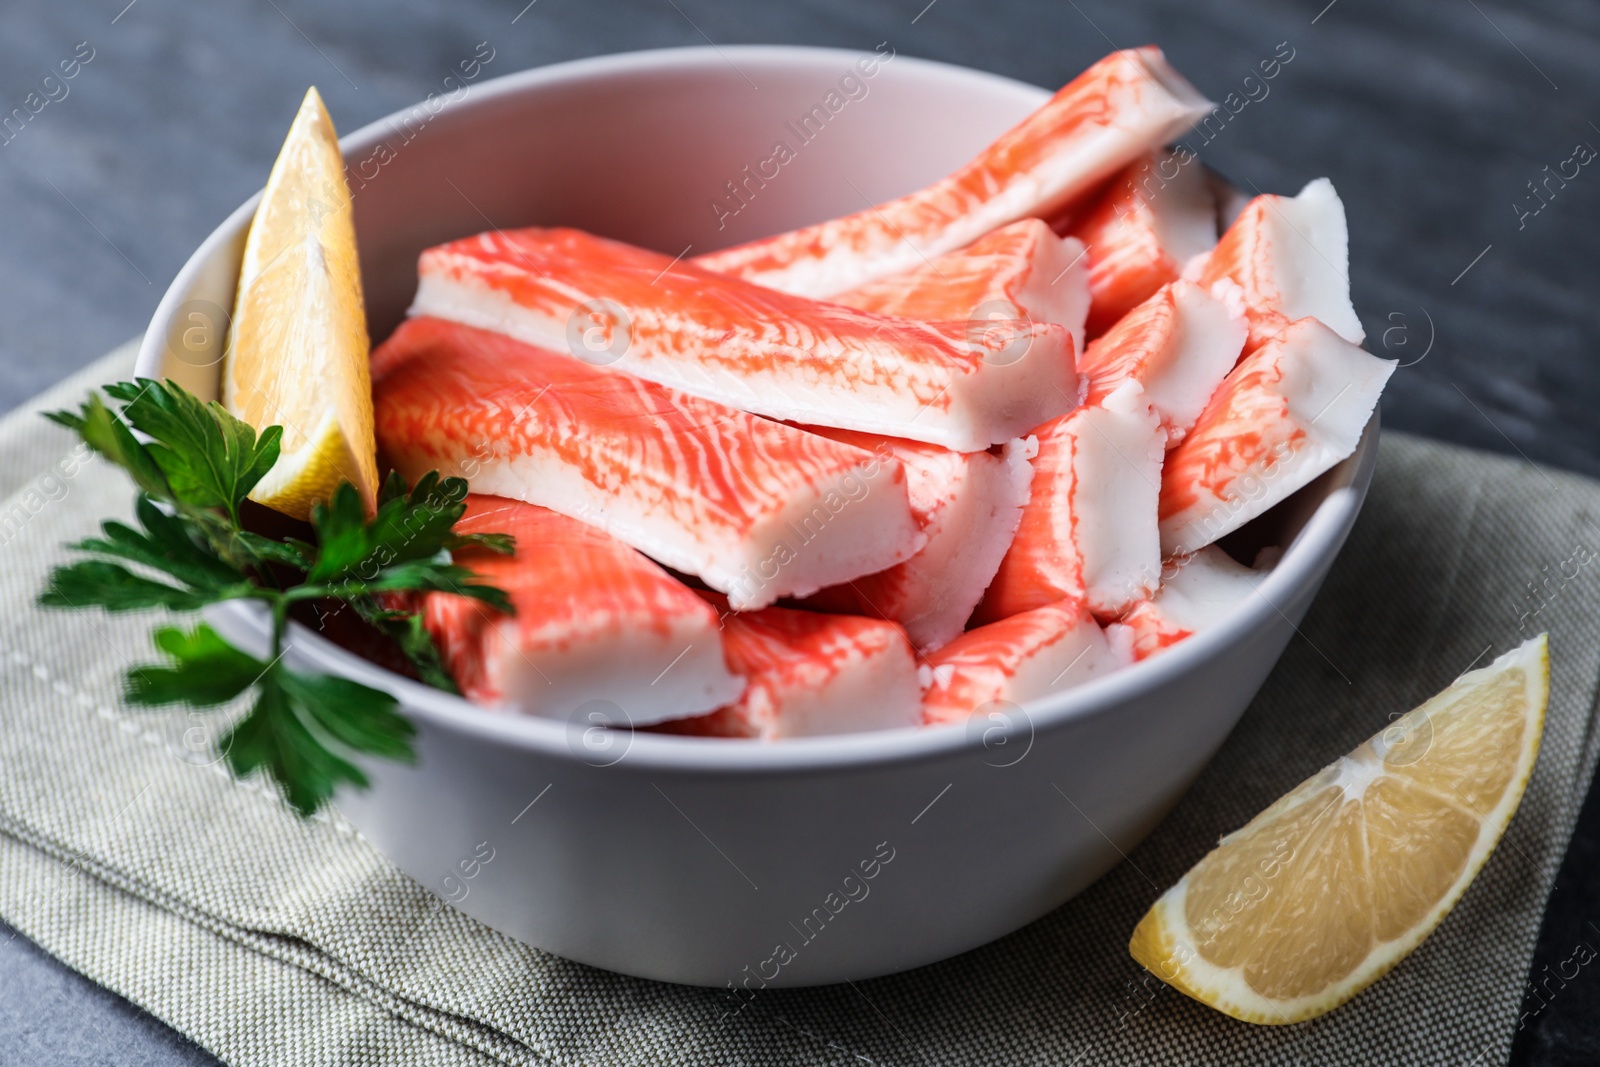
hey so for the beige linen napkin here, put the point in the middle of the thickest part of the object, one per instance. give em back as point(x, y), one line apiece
point(127, 854)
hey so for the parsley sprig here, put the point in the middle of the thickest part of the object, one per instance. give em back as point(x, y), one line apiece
point(190, 549)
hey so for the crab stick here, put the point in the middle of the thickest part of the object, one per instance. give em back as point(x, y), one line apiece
point(968, 505)
point(1019, 659)
point(1290, 410)
point(1125, 104)
point(756, 509)
point(1178, 345)
point(1290, 256)
point(1154, 217)
point(1196, 593)
point(761, 351)
point(1022, 271)
point(809, 674)
point(1088, 531)
point(595, 620)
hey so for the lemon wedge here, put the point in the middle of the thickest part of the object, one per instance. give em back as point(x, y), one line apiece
point(1330, 887)
point(297, 349)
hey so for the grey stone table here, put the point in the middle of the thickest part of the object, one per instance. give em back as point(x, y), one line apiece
point(1432, 119)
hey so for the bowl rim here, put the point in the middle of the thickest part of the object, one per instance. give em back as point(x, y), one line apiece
point(1315, 545)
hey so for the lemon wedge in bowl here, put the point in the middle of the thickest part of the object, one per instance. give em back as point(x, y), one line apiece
point(1322, 893)
point(297, 349)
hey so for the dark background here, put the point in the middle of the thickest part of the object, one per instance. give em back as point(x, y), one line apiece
point(1430, 117)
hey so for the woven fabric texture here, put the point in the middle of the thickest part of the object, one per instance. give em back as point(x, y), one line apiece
point(129, 854)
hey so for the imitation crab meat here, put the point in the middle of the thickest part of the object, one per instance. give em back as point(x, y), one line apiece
point(1088, 531)
point(1020, 272)
point(755, 509)
point(1178, 345)
point(1289, 411)
point(595, 621)
point(1124, 105)
point(968, 506)
point(809, 674)
point(752, 348)
point(890, 422)
point(1290, 257)
point(1018, 659)
point(1196, 593)
point(1152, 220)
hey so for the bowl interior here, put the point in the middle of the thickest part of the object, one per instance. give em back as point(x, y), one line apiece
point(679, 150)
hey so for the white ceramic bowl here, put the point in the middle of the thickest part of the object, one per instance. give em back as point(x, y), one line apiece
point(715, 862)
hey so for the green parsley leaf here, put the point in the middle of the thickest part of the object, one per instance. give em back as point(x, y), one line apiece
point(498, 543)
point(165, 543)
point(428, 576)
point(273, 739)
point(110, 436)
point(393, 487)
point(405, 546)
point(307, 732)
point(406, 630)
point(303, 729)
point(94, 583)
point(210, 458)
point(290, 551)
point(205, 670)
point(355, 716)
point(408, 526)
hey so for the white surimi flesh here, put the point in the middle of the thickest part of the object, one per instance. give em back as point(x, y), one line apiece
point(595, 622)
point(1019, 659)
point(968, 506)
point(1290, 410)
point(1196, 593)
point(1179, 345)
point(1089, 528)
point(808, 674)
point(1291, 258)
